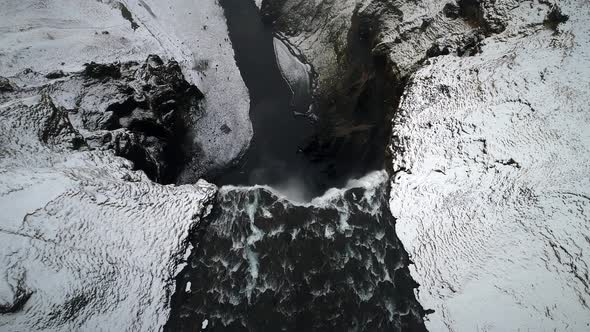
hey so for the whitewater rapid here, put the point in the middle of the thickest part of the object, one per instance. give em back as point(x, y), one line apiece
point(264, 262)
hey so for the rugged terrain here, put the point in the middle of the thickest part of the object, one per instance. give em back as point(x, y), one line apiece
point(476, 109)
point(66, 34)
point(489, 149)
point(101, 103)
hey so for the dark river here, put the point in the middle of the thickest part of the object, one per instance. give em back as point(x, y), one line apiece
point(265, 262)
point(274, 157)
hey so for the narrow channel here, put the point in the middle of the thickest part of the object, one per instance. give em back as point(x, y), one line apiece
point(274, 157)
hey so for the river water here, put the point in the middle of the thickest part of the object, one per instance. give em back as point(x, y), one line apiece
point(281, 251)
point(274, 157)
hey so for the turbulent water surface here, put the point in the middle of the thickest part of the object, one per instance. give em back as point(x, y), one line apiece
point(264, 263)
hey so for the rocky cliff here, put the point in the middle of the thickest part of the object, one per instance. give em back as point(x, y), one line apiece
point(88, 243)
point(64, 35)
point(91, 128)
point(488, 150)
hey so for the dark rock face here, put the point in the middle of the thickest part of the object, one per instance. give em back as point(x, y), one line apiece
point(264, 264)
point(5, 85)
point(142, 112)
point(146, 117)
point(555, 17)
point(98, 70)
point(452, 11)
point(55, 74)
point(57, 129)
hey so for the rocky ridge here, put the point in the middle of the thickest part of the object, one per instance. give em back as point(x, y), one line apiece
point(64, 35)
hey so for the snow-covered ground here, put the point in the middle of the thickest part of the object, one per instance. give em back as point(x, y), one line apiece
point(493, 191)
point(65, 34)
point(296, 73)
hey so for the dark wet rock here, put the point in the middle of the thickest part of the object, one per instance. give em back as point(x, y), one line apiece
point(148, 110)
point(98, 70)
point(452, 11)
point(5, 85)
point(470, 45)
point(55, 74)
point(555, 17)
point(437, 50)
point(57, 130)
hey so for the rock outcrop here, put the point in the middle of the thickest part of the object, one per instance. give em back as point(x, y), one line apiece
point(143, 112)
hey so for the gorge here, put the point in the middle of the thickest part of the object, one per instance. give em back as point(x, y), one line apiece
point(363, 165)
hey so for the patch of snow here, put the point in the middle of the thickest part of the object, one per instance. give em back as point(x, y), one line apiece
point(296, 73)
point(492, 191)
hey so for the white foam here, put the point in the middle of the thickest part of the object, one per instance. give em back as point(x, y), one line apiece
point(370, 182)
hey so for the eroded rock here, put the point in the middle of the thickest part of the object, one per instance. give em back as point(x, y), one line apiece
point(144, 112)
point(5, 85)
point(88, 243)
